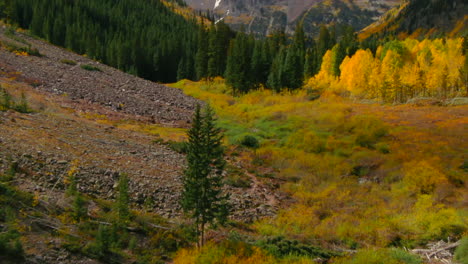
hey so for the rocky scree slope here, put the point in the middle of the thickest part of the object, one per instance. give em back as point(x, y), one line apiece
point(107, 86)
point(47, 143)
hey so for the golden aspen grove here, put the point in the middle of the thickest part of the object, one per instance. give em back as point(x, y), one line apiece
point(400, 70)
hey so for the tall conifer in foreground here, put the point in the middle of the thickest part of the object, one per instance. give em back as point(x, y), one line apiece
point(202, 196)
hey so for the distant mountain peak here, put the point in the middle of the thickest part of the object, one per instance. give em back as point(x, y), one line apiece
point(263, 16)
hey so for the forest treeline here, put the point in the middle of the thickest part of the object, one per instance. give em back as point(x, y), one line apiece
point(148, 39)
point(144, 38)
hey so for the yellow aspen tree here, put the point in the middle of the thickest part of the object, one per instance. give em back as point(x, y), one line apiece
point(424, 60)
point(375, 80)
point(378, 53)
point(437, 74)
point(455, 62)
point(356, 73)
point(391, 65)
point(411, 44)
point(325, 78)
point(411, 79)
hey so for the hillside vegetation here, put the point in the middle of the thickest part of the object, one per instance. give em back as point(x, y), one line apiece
point(421, 19)
point(363, 176)
point(338, 150)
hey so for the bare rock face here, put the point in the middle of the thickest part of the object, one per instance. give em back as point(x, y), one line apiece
point(264, 16)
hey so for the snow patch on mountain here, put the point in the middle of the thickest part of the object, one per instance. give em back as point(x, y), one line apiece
point(217, 4)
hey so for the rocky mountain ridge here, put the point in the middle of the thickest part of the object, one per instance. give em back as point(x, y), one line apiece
point(262, 17)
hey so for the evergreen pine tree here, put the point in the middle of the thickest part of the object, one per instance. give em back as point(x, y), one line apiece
point(349, 41)
point(323, 43)
point(202, 196)
point(275, 78)
point(257, 64)
point(293, 69)
point(238, 74)
point(213, 53)
point(123, 199)
point(311, 66)
point(201, 58)
point(182, 72)
point(80, 211)
point(338, 55)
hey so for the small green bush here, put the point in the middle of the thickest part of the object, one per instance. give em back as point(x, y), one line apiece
point(68, 62)
point(90, 67)
point(179, 147)
point(22, 106)
point(404, 257)
point(10, 247)
point(281, 247)
point(461, 253)
point(250, 142)
point(7, 103)
point(11, 33)
point(383, 148)
point(381, 256)
point(16, 48)
point(33, 52)
point(80, 211)
point(367, 130)
point(464, 166)
point(101, 246)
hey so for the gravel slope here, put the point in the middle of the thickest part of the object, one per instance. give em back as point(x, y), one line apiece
point(108, 87)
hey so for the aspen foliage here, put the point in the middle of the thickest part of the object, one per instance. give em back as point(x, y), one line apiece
point(325, 78)
point(399, 71)
point(356, 73)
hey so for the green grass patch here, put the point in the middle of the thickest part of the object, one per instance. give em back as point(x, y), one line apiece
point(461, 253)
point(90, 67)
point(381, 256)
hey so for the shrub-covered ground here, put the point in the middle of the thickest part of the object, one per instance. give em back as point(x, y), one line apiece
point(363, 176)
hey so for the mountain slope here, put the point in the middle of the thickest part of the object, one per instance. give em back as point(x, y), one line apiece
point(145, 38)
point(263, 16)
point(420, 18)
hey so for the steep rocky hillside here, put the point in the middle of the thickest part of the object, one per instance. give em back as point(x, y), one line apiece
point(421, 18)
point(264, 16)
point(79, 78)
point(106, 121)
point(97, 123)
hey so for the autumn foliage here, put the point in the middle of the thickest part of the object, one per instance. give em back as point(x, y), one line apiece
point(399, 70)
point(361, 175)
